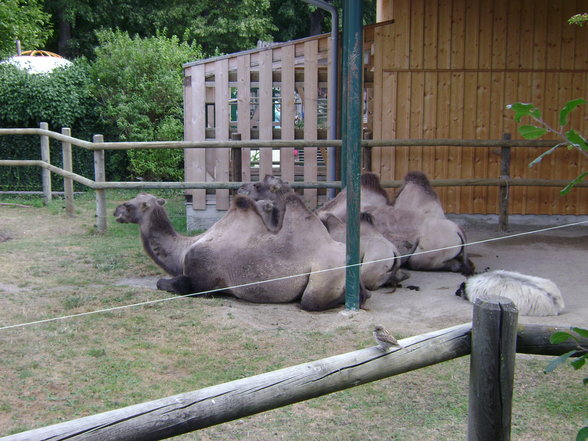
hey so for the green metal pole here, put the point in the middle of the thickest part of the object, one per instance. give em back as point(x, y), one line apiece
point(352, 81)
point(343, 84)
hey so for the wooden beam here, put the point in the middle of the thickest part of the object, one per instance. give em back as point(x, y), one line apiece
point(206, 407)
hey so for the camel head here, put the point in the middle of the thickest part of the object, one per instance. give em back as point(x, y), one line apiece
point(271, 188)
point(135, 210)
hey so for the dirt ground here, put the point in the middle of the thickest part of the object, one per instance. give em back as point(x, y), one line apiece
point(427, 300)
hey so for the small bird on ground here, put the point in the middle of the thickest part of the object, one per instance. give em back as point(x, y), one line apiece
point(383, 338)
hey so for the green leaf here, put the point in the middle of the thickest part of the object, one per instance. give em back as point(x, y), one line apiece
point(559, 360)
point(577, 140)
point(582, 434)
point(565, 111)
point(579, 362)
point(560, 337)
point(532, 132)
point(539, 158)
point(581, 331)
point(524, 109)
point(569, 187)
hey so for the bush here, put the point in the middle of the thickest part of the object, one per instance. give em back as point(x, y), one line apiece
point(139, 87)
point(62, 99)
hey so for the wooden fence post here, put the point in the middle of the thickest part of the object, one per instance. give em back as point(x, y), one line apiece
point(236, 159)
point(45, 157)
point(494, 335)
point(67, 166)
point(504, 188)
point(100, 176)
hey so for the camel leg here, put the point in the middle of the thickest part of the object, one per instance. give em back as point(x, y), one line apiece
point(178, 285)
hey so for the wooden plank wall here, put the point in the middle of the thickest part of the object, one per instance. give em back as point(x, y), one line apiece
point(292, 68)
point(448, 68)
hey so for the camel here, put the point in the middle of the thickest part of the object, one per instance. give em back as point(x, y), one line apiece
point(372, 194)
point(239, 251)
point(269, 195)
point(435, 231)
point(240, 255)
point(161, 242)
point(414, 223)
point(379, 257)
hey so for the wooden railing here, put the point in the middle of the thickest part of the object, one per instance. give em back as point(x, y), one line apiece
point(99, 183)
point(492, 339)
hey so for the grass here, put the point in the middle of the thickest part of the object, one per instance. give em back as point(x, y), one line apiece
point(52, 372)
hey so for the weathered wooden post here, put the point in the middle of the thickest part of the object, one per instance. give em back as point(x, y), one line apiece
point(494, 336)
point(45, 157)
point(236, 159)
point(100, 176)
point(504, 189)
point(67, 166)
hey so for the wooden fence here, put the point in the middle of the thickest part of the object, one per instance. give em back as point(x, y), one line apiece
point(492, 339)
point(99, 183)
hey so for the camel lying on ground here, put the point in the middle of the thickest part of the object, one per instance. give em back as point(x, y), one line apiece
point(242, 256)
point(161, 242)
point(379, 257)
point(414, 223)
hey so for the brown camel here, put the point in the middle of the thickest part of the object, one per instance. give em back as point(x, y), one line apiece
point(241, 256)
point(379, 257)
point(415, 223)
point(162, 243)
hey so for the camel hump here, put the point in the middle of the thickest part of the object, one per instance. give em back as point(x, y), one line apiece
point(371, 181)
point(244, 202)
point(420, 179)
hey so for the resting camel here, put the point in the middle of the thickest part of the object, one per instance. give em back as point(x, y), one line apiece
point(161, 242)
point(372, 194)
point(379, 257)
point(241, 256)
point(415, 222)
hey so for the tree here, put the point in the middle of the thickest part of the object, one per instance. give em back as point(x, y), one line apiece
point(138, 85)
point(22, 20)
point(217, 26)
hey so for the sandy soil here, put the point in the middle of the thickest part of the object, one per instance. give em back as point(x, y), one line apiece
point(427, 300)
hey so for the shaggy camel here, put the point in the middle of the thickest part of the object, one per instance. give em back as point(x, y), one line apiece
point(414, 223)
point(161, 242)
point(379, 257)
point(242, 256)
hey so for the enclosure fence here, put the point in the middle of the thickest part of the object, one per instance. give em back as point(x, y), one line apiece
point(493, 338)
point(98, 146)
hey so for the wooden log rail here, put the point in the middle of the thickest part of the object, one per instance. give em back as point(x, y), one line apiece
point(98, 146)
point(174, 415)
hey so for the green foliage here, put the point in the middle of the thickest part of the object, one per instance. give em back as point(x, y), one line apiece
point(138, 83)
point(22, 20)
point(579, 19)
point(570, 138)
point(62, 99)
point(579, 362)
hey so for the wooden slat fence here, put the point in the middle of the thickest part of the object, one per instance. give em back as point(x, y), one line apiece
point(448, 68)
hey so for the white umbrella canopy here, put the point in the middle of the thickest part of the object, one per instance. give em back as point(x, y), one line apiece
point(37, 62)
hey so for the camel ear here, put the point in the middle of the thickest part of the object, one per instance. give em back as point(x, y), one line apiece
point(161, 201)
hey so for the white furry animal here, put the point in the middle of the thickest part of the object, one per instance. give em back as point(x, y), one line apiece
point(531, 295)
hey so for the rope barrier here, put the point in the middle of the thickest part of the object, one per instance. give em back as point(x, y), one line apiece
point(212, 291)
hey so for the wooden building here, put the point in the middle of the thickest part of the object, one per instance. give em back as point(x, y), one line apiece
point(433, 69)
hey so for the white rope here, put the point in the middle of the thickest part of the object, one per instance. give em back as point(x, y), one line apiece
point(151, 302)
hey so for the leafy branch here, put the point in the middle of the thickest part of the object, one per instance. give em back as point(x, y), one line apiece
point(560, 337)
point(570, 138)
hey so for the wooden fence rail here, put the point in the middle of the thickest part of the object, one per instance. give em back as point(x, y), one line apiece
point(99, 184)
point(206, 407)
